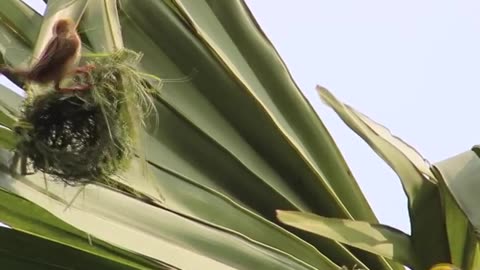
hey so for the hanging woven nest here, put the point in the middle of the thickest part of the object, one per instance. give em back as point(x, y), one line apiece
point(87, 135)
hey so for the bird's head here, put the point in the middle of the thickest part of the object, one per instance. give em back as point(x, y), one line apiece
point(63, 26)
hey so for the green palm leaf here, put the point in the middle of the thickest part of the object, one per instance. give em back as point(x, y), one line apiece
point(232, 140)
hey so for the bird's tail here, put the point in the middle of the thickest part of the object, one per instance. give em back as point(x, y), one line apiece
point(8, 71)
point(4, 70)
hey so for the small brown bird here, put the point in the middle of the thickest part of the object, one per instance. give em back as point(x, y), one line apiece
point(58, 60)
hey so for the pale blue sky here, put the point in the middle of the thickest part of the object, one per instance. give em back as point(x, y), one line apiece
point(413, 66)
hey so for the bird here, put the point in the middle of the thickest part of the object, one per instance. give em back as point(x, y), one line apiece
point(58, 60)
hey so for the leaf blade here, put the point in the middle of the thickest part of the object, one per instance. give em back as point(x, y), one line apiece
point(378, 239)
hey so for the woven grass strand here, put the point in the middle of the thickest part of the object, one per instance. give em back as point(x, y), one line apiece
point(88, 135)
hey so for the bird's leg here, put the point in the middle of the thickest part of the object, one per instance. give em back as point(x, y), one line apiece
point(72, 88)
point(85, 70)
point(87, 86)
point(57, 86)
point(81, 70)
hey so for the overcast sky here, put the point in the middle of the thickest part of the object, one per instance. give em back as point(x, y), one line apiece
point(413, 66)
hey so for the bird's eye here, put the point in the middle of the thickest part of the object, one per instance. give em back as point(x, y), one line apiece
point(61, 26)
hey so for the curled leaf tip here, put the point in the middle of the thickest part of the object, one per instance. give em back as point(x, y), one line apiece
point(321, 89)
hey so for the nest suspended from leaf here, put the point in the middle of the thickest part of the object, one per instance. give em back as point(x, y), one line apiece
point(87, 135)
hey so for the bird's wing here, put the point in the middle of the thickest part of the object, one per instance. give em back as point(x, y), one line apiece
point(57, 53)
point(47, 53)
